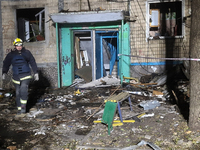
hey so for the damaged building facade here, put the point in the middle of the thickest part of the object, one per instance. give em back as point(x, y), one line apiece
point(96, 38)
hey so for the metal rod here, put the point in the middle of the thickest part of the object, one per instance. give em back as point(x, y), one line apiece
point(89, 5)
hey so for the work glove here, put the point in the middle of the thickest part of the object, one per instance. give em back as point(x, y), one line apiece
point(36, 77)
point(4, 76)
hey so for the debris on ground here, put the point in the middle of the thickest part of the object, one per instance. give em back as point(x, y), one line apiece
point(71, 117)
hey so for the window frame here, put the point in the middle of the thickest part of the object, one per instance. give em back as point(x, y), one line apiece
point(148, 2)
point(38, 18)
point(158, 11)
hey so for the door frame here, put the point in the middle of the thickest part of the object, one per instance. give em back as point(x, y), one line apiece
point(65, 49)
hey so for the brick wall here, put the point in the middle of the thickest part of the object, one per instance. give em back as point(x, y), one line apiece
point(45, 51)
point(159, 48)
point(140, 45)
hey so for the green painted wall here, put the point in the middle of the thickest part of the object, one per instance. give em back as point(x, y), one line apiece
point(67, 58)
point(124, 61)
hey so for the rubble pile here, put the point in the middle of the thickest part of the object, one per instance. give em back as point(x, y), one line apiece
point(149, 117)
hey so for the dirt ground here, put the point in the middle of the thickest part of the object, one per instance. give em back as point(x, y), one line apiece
point(60, 119)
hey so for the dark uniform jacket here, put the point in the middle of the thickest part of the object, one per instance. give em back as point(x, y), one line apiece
point(20, 61)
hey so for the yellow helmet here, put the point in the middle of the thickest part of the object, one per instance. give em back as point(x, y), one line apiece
point(18, 42)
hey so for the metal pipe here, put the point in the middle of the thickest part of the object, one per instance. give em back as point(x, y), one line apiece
point(40, 19)
point(89, 5)
point(40, 23)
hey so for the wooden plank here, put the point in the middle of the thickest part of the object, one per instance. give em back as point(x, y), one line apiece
point(78, 61)
point(120, 97)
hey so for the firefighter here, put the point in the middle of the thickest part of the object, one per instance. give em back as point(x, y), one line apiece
point(20, 59)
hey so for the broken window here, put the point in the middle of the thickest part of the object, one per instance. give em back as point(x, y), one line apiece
point(165, 19)
point(30, 24)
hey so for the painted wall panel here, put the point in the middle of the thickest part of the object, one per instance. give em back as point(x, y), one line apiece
point(67, 58)
point(124, 61)
point(126, 50)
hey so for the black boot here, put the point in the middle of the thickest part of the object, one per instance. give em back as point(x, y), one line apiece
point(18, 112)
point(23, 109)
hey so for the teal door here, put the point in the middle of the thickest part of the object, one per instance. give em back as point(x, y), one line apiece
point(67, 57)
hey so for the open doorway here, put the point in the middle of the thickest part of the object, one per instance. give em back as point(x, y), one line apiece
point(94, 62)
point(107, 61)
point(83, 55)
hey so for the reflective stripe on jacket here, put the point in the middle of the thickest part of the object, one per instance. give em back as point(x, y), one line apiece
point(20, 61)
point(24, 78)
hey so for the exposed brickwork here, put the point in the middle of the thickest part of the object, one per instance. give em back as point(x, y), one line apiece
point(45, 51)
point(152, 48)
